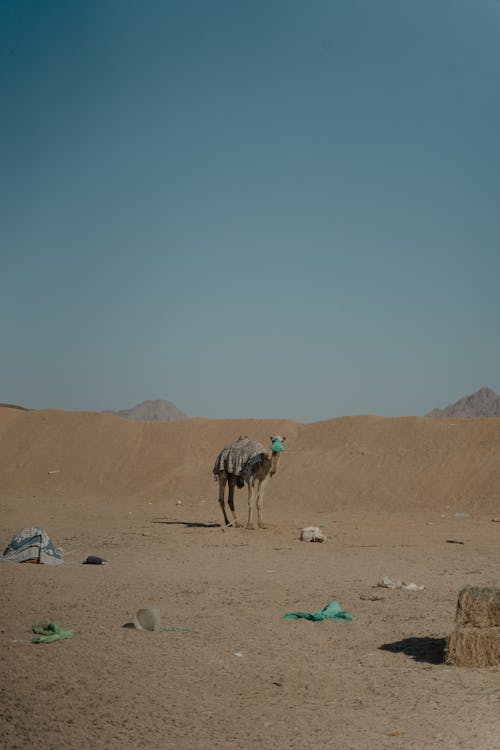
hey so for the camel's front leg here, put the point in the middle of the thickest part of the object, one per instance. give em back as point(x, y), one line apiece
point(251, 503)
point(260, 502)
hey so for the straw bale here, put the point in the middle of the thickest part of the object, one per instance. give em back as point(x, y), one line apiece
point(473, 647)
point(478, 606)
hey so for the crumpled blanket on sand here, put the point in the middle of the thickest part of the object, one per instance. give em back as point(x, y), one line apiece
point(234, 458)
point(32, 544)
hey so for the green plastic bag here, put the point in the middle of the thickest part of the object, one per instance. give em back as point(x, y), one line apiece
point(48, 632)
point(332, 611)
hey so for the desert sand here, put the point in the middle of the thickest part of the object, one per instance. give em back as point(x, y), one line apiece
point(408, 498)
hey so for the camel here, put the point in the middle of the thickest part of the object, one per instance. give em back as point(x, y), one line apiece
point(246, 461)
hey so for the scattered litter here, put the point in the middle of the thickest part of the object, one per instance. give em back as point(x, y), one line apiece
point(54, 471)
point(312, 534)
point(33, 545)
point(462, 515)
point(332, 611)
point(454, 541)
point(388, 583)
point(238, 653)
point(47, 632)
point(179, 502)
point(496, 520)
point(175, 629)
point(148, 618)
point(94, 560)
point(271, 571)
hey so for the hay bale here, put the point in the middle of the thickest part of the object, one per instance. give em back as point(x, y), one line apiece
point(478, 606)
point(473, 647)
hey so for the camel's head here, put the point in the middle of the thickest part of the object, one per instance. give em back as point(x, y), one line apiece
point(277, 449)
point(277, 443)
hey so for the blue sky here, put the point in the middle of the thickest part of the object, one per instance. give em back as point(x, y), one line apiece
point(268, 208)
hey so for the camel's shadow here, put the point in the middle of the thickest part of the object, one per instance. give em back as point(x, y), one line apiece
point(425, 649)
point(191, 524)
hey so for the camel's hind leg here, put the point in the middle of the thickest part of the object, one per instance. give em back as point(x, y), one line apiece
point(222, 489)
point(230, 500)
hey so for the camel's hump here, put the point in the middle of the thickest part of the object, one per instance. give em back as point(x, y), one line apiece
point(234, 457)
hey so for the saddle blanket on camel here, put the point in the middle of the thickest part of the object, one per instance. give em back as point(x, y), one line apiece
point(239, 457)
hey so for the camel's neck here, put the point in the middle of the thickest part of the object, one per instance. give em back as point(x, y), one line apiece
point(275, 462)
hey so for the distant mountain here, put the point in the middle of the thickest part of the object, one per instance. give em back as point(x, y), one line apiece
point(152, 411)
point(15, 406)
point(483, 403)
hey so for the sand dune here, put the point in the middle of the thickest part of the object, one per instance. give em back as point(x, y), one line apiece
point(363, 463)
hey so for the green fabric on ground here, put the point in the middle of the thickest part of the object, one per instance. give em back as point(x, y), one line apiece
point(332, 611)
point(48, 632)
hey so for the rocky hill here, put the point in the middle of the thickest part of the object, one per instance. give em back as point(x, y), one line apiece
point(158, 410)
point(482, 403)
